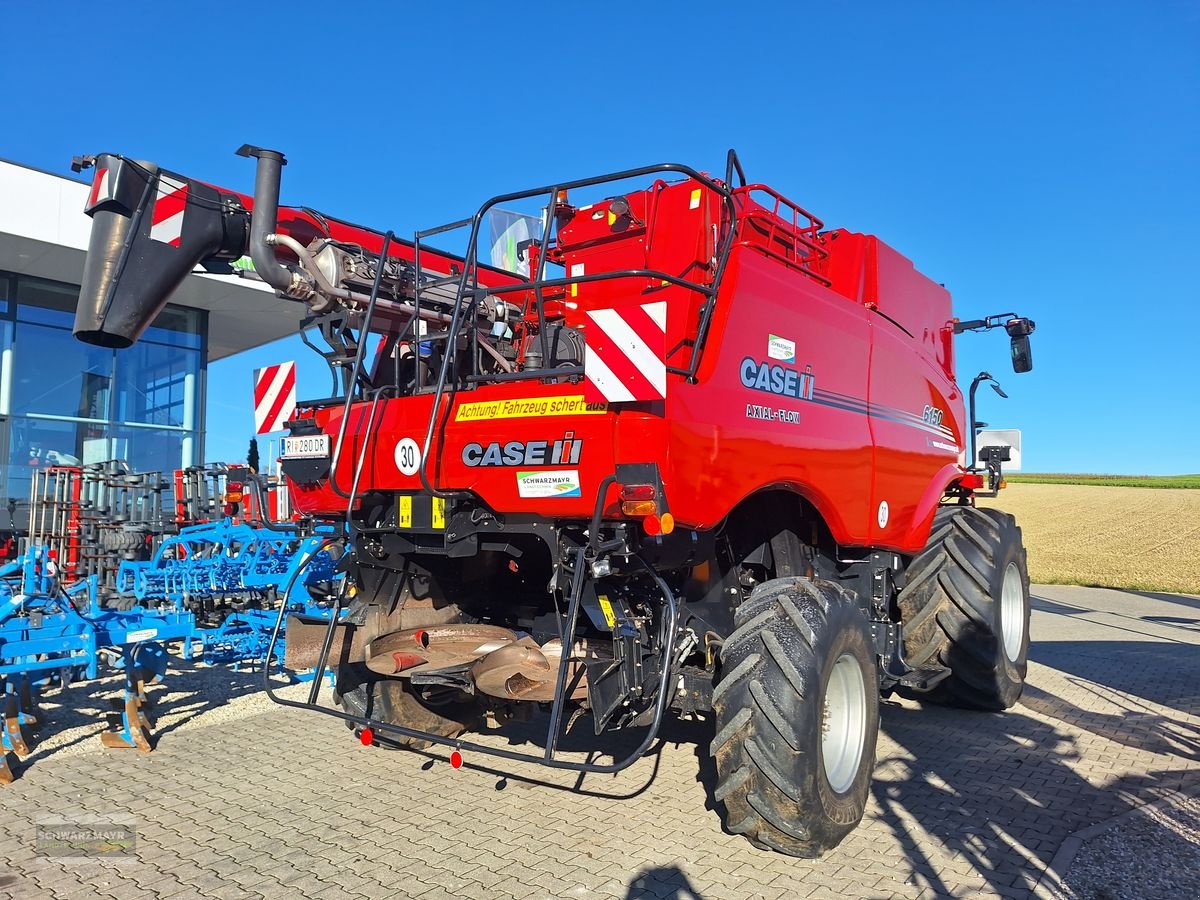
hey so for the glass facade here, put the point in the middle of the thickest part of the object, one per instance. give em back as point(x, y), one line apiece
point(63, 402)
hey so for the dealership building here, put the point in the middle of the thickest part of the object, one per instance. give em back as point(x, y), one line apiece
point(66, 402)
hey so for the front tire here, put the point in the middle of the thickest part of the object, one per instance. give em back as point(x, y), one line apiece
point(797, 717)
point(965, 606)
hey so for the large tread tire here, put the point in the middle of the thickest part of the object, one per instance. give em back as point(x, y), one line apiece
point(362, 693)
point(952, 609)
point(124, 540)
point(769, 702)
point(393, 701)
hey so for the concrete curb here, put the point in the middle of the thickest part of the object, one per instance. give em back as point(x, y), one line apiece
point(1050, 883)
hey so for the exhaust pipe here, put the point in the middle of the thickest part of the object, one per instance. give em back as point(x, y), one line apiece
point(150, 228)
point(267, 176)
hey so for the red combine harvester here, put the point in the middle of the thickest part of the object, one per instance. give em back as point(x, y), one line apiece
point(677, 449)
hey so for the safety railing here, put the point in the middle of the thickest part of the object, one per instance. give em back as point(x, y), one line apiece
point(780, 229)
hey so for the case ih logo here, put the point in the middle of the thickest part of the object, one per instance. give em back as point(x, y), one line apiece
point(563, 452)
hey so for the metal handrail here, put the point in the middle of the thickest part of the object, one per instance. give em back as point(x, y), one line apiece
point(800, 235)
point(538, 283)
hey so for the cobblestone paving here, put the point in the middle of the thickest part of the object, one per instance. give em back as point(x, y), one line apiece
point(287, 804)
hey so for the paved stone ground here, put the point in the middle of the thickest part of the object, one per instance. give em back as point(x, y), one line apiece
point(286, 804)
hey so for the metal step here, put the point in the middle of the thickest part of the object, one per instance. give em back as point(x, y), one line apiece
point(926, 678)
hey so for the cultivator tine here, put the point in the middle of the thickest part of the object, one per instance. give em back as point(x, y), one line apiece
point(25, 702)
point(131, 714)
point(16, 721)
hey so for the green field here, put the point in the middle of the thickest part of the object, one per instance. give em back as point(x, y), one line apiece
point(1191, 482)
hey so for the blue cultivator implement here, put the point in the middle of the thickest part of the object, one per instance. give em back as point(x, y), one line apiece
point(50, 633)
point(231, 562)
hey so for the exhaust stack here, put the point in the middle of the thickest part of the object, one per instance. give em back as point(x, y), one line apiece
point(150, 228)
point(267, 176)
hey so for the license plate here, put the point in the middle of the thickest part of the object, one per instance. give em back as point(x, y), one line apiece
point(306, 446)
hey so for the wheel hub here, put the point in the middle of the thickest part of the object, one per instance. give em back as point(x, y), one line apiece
point(844, 723)
point(1012, 612)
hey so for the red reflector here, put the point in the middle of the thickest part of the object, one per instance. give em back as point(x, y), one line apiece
point(971, 481)
point(456, 760)
point(638, 492)
point(367, 736)
point(651, 525)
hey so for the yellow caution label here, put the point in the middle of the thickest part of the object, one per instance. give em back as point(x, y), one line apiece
point(606, 608)
point(439, 513)
point(528, 408)
point(405, 512)
point(695, 204)
point(612, 217)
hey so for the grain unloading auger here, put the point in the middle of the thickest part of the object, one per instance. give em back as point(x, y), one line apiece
point(678, 446)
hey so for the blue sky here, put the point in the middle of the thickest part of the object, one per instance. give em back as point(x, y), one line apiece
point(1037, 157)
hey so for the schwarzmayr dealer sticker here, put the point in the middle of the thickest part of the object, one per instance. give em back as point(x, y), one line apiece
point(781, 348)
point(548, 484)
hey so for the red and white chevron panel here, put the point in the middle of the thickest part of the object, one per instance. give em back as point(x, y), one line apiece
point(626, 356)
point(101, 188)
point(166, 218)
point(274, 397)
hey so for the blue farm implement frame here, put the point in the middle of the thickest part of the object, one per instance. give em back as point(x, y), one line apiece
point(50, 632)
point(236, 562)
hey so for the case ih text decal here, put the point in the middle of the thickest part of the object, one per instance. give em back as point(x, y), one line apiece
point(564, 452)
point(776, 379)
point(785, 381)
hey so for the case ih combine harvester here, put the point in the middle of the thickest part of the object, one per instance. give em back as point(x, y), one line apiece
point(679, 448)
point(114, 575)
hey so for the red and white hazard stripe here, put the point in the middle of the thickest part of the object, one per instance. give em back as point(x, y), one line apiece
point(101, 188)
point(626, 354)
point(274, 397)
point(166, 217)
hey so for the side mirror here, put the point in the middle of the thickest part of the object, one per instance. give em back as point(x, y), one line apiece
point(1022, 355)
point(1019, 330)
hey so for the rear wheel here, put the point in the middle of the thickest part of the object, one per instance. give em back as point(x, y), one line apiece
point(965, 606)
point(797, 717)
point(394, 701)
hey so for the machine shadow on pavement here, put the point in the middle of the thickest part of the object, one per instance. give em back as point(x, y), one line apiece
point(1003, 791)
point(666, 883)
point(531, 737)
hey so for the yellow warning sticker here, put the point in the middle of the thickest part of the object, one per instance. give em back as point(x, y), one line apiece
point(612, 217)
point(528, 407)
point(439, 513)
point(405, 512)
point(695, 204)
point(606, 608)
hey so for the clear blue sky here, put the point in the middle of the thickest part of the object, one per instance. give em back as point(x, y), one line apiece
point(1037, 157)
